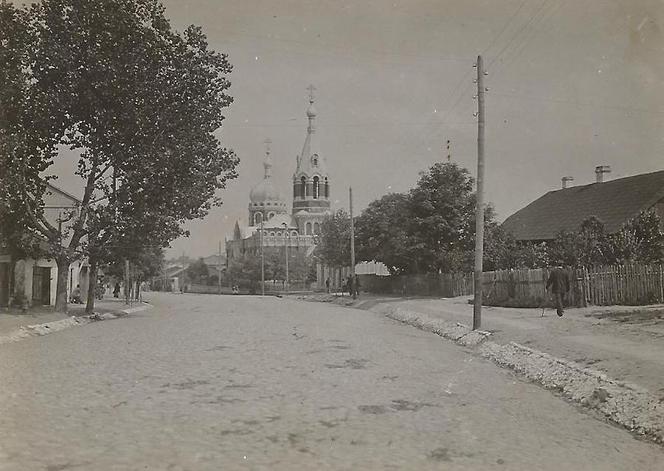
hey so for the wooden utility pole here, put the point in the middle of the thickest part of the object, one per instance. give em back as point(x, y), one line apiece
point(262, 261)
point(479, 210)
point(286, 239)
point(219, 270)
point(352, 242)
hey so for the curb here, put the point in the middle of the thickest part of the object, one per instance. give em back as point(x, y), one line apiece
point(625, 404)
point(38, 330)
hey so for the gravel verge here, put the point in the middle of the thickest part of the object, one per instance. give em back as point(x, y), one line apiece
point(38, 330)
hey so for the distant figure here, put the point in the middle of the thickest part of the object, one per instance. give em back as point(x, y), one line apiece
point(76, 295)
point(116, 290)
point(356, 285)
point(327, 284)
point(351, 285)
point(559, 283)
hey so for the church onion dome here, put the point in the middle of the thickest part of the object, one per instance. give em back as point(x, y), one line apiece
point(266, 192)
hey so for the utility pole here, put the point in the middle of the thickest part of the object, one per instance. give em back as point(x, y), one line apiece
point(479, 210)
point(262, 261)
point(352, 242)
point(219, 271)
point(286, 250)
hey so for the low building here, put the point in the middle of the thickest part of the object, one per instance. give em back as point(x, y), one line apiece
point(35, 280)
point(613, 202)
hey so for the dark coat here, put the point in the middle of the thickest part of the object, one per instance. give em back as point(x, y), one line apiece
point(558, 281)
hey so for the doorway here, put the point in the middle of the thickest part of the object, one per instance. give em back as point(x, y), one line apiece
point(41, 286)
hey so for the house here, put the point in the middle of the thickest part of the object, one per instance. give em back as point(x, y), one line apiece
point(613, 202)
point(35, 280)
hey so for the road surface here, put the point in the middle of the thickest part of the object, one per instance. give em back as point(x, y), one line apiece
point(204, 382)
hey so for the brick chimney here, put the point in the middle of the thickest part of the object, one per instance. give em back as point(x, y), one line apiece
point(566, 181)
point(600, 170)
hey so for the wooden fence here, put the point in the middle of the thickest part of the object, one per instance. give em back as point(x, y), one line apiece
point(602, 285)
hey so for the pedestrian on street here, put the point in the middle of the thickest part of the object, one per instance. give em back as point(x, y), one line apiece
point(356, 285)
point(116, 290)
point(327, 285)
point(559, 283)
point(350, 284)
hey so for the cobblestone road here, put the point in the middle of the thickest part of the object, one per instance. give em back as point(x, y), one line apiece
point(210, 383)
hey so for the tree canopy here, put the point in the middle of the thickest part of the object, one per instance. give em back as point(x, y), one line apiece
point(139, 103)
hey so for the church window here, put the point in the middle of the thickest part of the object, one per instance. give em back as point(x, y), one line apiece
point(272, 234)
point(258, 217)
point(316, 228)
point(314, 160)
point(293, 233)
point(308, 229)
point(316, 191)
point(327, 188)
point(304, 187)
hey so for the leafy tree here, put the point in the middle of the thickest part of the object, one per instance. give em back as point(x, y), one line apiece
point(111, 80)
point(334, 246)
point(587, 247)
point(639, 240)
point(382, 233)
point(442, 229)
point(197, 272)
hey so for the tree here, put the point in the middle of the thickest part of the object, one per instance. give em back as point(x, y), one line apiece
point(382, 233)
point(197, 272)
point(442, 211)
point(140, 103)
point(639, 240)
point(334, 246)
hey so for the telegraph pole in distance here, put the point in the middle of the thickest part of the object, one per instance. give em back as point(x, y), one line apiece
point(219, 270)
point(262, 261)
point(479, 210)
point(352, 241)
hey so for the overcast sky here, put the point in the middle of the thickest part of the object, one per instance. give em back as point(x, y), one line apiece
point(573, 84)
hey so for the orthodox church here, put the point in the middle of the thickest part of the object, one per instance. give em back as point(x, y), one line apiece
point(268, 210)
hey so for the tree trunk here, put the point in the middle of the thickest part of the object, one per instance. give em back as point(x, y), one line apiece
point(61, 292)
point(92, 286)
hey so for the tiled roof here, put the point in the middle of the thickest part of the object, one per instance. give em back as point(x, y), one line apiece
point(613, 202)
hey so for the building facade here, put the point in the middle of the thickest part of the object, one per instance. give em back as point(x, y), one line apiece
point(34, 281)
point(270, 225)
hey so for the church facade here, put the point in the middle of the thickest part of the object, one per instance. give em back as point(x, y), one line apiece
point(270, 224)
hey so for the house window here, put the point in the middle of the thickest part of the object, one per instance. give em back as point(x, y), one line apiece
point(316, 181)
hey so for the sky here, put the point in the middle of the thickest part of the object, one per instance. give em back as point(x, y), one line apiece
point(572, 85)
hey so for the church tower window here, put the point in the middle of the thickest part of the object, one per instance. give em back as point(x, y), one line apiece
point(316, 228)
point(316, 187)
point(327, 188)
point(304, 187)
point(307, 230)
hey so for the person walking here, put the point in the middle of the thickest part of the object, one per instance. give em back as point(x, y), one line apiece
point(356, 285)
point(327, 285)
point(116, 290)
point(558, 282)
point(349, 283)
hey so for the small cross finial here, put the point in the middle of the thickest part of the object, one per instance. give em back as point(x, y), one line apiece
point(311, 89)
point(267, 143)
